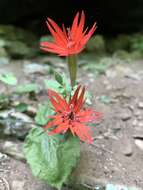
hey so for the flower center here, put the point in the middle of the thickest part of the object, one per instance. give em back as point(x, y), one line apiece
point(71, 116)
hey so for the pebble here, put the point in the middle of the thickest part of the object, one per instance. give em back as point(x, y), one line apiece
point(137, 113)
point(19, 185)
point(135, 122)
point(140, 124)
point(4, 185)
point(140, 105)
point(4, 60)
point(32, 68)
point(139, 143)
point(135, 76)
point(127, 148)
point(111, 74)
point(126, 115)
point(13, 149)
point(3, 156)
point(138, 134)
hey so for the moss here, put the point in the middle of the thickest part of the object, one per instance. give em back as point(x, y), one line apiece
point(136, 42)
point(136, 55)
point(122, 54)
point(11, 33)
point(19, 49)
point(3, 52)
point(18, 43)
point(122, 42)
point(96, 44)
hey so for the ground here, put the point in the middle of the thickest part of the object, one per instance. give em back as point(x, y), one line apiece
point(115, 156)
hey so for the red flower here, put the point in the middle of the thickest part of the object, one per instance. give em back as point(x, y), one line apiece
point(70, 41)
point(72, 115)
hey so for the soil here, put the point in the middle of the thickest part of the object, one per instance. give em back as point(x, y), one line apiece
point(116, 154)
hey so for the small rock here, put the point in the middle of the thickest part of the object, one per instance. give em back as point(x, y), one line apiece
point(31, 110)
point(13, 149)
point(15, 123)
point(140, 124)
point(138, 113)
point(131, 107)
point(139, 143)
point(135, 76)
point(135, 122)
point(4, 185)
point(119, 187)
point(126, 115)
point(4, 60)
point(32, 68)
point(138, 134)
point(140, 105)
point(111, 73)
point(3, 156)
point(19, 185)
point(127, 149)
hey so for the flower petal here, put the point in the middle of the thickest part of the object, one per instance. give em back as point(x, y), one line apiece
point(56, 32)
point(83, 132)
point(80, 101)
point(75, 96)
point(61, 102)
point(62, 128)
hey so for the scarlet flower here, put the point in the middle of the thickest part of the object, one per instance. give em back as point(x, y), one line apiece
point(72, 115)
point(68, 41)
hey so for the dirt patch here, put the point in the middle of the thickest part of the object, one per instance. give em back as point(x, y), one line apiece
point(117, 152)
point(115, 156)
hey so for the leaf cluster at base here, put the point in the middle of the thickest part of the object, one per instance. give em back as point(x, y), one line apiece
point(51, 158)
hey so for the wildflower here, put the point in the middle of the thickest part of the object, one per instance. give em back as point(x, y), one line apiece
point(72, 115)
point(68, 41)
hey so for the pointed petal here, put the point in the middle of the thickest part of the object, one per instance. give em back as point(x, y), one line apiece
point(80, 27)
point(56, 31)
point(62, 128)
point(58, 120)
point(75, 96)
point(51, 45)
point(83, 132)
point(56, 105)
point(80, 101)
point(61, 102)
point(89, 34)
point(89, 115)
point(59, 52)
point(50, 124)
point(75, 24)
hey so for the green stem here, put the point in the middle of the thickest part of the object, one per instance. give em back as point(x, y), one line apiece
point(72, 66)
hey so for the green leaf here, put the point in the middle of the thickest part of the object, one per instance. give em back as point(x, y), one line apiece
point(43, 112)
point(8, 78)
point(21, 107)
point(88, 98)
point(61, 84)
point(100, 68)
point(52, 84)
point(59, 78)
point(51, 159)
point(105, 99)
point(27, 88)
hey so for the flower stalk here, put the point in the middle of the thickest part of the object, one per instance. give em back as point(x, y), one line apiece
point(72, 66)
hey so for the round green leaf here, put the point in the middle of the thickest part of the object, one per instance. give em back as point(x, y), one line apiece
point(8, 78)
